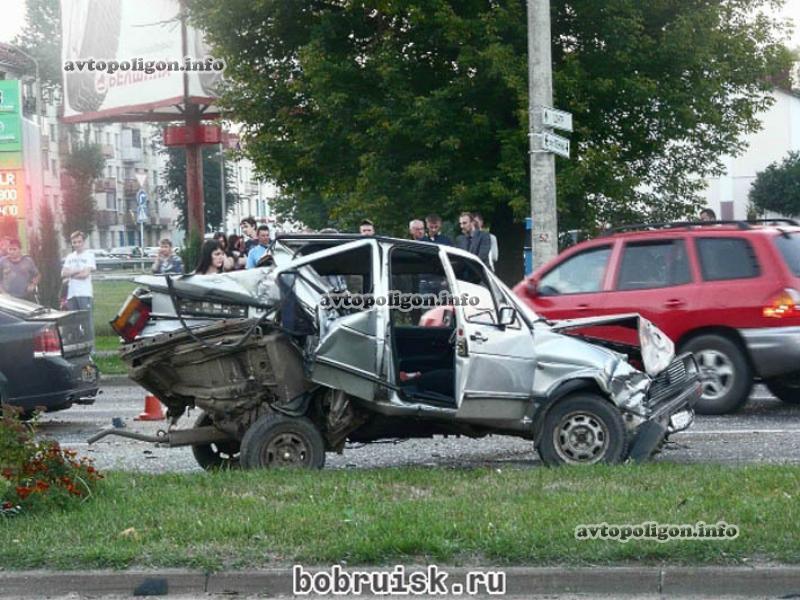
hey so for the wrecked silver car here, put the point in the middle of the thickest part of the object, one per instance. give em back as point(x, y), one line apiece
point(350, 339)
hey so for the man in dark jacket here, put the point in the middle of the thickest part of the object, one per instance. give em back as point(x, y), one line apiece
point(434, 223)
point(472, 239)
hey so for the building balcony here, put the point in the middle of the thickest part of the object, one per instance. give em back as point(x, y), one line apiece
point(131, 186)
point(107, 150)
point(45, 140)
point(107, 218)
point(105, 184)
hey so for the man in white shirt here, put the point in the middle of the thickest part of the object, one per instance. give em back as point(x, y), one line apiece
point(78, 267)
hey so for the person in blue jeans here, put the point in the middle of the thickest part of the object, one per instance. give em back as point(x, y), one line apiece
point(77, 270)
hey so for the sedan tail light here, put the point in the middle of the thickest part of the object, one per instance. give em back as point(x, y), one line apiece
point(132, 318)
point(785, 303)
point(47, 342)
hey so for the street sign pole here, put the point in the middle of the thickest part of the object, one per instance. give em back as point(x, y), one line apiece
point(544, 232)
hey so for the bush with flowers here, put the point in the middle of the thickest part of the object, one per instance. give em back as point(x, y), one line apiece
point(39, 474)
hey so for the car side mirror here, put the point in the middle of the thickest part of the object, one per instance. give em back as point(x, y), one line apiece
point(507, 316)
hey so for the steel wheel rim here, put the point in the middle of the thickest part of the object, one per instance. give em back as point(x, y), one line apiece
point(581, 438)
point(716, 373)
point(289, 449)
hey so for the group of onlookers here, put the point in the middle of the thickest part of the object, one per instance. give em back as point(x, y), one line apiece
point(229, 253)
point(472, 238)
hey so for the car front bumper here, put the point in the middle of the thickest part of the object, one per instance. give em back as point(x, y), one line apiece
point(652, 432)
point(774, 351)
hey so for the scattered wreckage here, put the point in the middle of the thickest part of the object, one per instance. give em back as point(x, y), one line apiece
point(283, 374)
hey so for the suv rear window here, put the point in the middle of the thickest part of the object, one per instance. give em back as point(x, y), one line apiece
point(789, 246)
point(727, 258)
point(648, 265)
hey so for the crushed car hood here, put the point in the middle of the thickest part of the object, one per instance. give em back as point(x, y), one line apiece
point(656, 348)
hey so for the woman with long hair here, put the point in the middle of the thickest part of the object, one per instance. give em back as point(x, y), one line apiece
point(235, 251)
point(212, 259)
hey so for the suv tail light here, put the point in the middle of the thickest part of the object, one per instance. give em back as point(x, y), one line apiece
point(47, 342)
point(132, 318)
point(785, 303)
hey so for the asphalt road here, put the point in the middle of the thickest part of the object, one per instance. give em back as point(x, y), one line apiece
point(765, 431)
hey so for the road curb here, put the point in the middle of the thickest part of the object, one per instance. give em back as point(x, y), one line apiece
point(520, 581)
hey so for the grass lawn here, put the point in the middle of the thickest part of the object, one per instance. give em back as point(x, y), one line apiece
point(110, 365)
point(415, 515)
point(108, 298)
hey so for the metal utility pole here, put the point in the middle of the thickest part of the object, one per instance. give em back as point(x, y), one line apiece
point(544, 231)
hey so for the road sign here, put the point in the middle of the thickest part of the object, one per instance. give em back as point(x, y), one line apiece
point(555, 144)
point(141, 206)
point(557, 119)
point(141, 178)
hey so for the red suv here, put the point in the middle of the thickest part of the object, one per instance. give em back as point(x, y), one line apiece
point(728, 291)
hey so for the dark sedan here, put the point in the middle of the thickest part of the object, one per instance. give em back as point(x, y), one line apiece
point(45, 357)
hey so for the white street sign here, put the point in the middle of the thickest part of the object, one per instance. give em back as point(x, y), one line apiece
point(141, 178)
point(555, 144)
point(557, 119)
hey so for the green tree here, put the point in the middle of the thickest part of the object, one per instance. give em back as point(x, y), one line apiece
point(45, 253)
point(777, 188)
point(174, 176)
point(391, 110)
point(81, 167)
point(41, 38)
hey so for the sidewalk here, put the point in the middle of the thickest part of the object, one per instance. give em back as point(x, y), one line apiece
point(520, 581)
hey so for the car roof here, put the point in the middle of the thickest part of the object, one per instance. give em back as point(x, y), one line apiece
point(702, 227)
point(296, 241)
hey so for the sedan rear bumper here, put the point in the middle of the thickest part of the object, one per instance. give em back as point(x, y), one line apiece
point(774, 351)
point(62, 383)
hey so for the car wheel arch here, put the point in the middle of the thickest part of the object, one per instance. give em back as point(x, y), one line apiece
point(727, 332)
point(562, 390)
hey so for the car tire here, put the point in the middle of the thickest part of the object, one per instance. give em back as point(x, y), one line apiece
point(787, 389)
point(725, 374)
point(583, 429)
point(217, 455)
point(281, 441)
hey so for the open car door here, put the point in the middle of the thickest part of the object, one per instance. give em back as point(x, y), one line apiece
point(495, 358)
point(346, 355)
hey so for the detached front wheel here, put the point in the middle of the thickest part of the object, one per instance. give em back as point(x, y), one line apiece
point(281, 441)
point(583, 429)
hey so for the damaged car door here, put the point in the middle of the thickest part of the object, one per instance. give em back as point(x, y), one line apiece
point(495, 356)
point(350, 328)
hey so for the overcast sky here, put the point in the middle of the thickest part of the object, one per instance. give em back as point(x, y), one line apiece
point(13, 17)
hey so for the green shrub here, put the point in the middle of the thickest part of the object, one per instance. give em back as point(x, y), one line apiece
point(37, 475)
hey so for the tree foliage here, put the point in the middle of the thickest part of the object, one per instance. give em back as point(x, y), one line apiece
point(777, 188)
point(393, 109)
point(45, 253)
point(175, 185)
point(82, 166)
point(41, 38)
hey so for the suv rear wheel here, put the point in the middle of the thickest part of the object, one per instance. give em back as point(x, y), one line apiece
point(724, 373)
point(786, 388)
point(582, 429)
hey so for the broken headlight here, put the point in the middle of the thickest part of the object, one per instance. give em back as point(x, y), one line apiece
point(211, 309)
